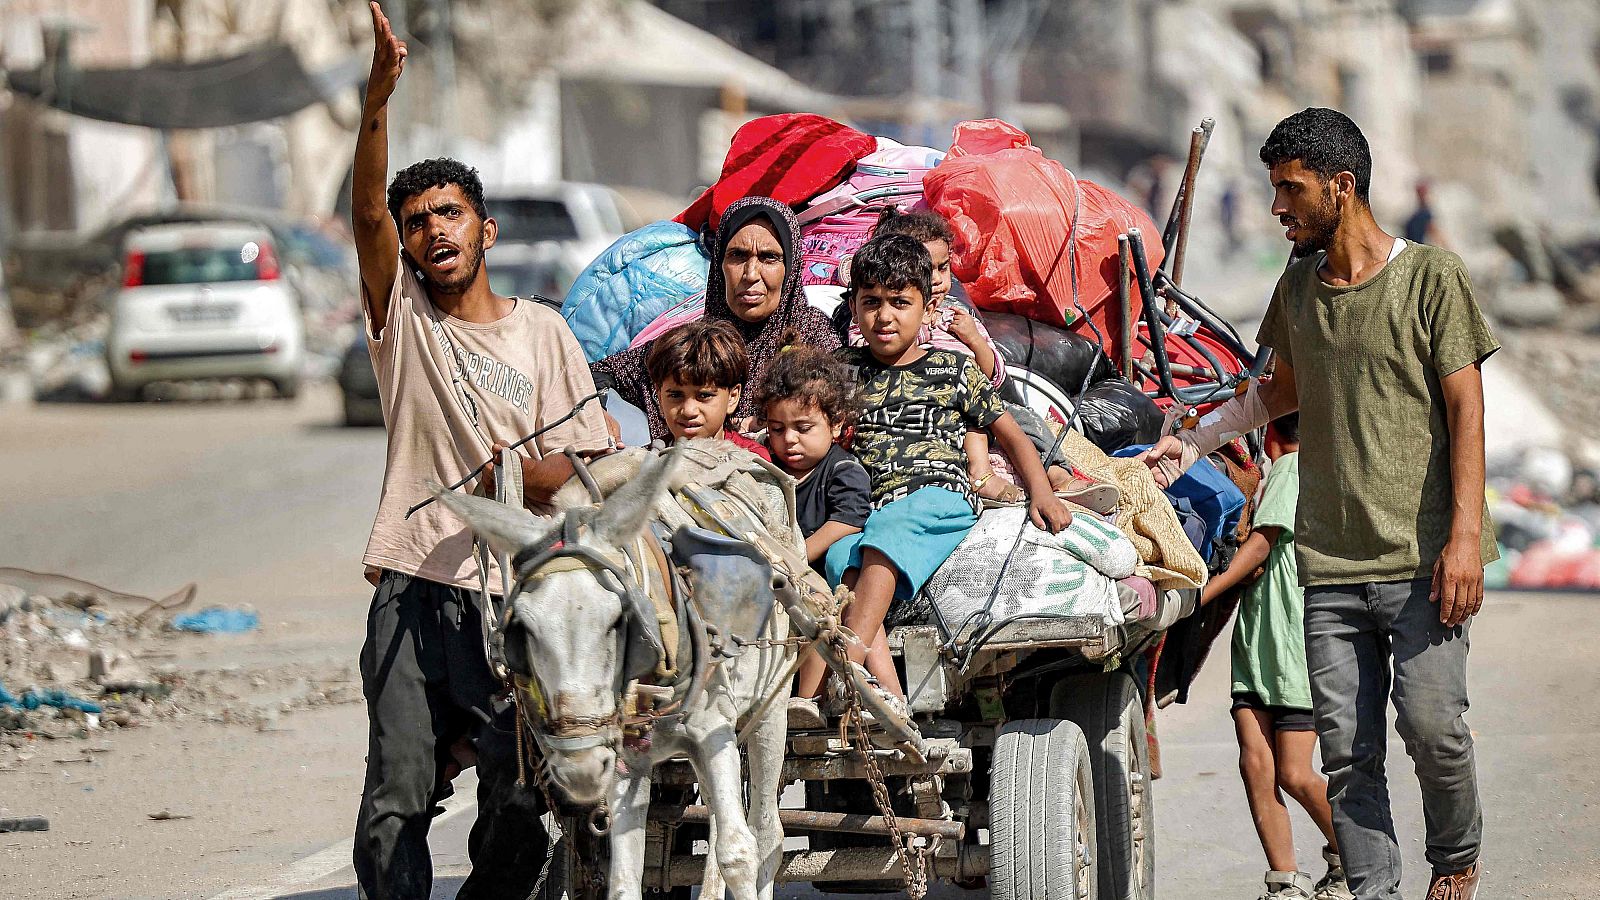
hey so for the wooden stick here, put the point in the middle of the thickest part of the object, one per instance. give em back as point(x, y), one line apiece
point(1198, 139)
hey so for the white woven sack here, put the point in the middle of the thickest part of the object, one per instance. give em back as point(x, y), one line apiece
point(1046, 574)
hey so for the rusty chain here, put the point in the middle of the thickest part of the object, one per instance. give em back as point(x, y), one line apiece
point(913, 860)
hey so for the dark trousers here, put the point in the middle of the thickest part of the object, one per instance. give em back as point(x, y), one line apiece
point(428, 684)
point(1367, 644)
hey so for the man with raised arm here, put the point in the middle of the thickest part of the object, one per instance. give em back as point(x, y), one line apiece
point(1379, 344)
point(461, 372)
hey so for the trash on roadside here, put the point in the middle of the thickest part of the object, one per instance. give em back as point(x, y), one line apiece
point(167, 815)
point(217, 620)
point(34, 698)
point(77, 659)
point(1546, 511)
point(24, 823)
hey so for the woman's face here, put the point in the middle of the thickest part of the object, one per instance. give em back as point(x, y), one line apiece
point(752, 270)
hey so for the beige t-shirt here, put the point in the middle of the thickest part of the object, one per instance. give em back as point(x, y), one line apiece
point(514, 375)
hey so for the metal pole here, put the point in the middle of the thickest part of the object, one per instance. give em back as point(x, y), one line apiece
point(926, 65)
point(1152, 312)
point(444, 50)
point(1198, 139)
point(1125, 304)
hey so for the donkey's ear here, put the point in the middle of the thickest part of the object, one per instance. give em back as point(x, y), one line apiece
point(629, 507)
point(504, 529)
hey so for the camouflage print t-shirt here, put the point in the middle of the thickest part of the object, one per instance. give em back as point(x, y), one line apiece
point(914, 418)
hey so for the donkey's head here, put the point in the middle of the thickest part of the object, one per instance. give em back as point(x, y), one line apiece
point(571, 635)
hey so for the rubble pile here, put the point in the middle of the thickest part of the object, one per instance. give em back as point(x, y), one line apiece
point(71, 667)
point(1565, 366)
point(1546, 512)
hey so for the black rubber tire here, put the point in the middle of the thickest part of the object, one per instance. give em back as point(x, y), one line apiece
point(1109, 708)
point(286, 388)
point(1041, 813)
point(125, 393)
point(563, 872)
point(561, 875)
point(555, 880)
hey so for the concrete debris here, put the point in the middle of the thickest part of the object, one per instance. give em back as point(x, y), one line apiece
point(83, 662)
point(68, 363)
point(1563, 366)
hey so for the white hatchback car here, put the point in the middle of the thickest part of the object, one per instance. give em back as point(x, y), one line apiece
point(204, 301)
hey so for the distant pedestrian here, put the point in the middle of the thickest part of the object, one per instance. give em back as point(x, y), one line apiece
point(1228, 215)
point(1392, 531)
point(1421, 227)
point(1271, 691)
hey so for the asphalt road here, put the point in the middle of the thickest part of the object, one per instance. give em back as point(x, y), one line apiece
point(269, 503)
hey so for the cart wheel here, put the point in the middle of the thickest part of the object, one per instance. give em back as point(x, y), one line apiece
point(554, 886)
point(1041, 813)
point(1110, 710)
point(563, 882)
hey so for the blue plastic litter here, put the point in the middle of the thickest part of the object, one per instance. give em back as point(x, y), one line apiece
point(34, 699)
point(57, 698)
point(217, 620)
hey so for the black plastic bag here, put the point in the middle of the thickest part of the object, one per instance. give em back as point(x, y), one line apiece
point(1114, 414)
point(1062, 356)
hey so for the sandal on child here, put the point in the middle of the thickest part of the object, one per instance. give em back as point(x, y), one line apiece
point(1102, 498)
point(994, 491)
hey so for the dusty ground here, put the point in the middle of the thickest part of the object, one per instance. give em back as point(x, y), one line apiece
point(267, 504)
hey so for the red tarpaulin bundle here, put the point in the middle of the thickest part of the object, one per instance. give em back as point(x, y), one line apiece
point(1011, 209)
point(790, 157)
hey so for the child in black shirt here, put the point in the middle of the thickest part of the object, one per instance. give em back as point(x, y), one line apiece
point(807, 402)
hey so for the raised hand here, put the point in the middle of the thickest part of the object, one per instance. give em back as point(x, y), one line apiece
point(388, 58)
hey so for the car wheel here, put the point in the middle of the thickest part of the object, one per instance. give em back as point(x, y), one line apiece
point(287, 388)
point(122, 392)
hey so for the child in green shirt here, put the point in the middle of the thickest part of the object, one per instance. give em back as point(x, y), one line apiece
point(1271, 689)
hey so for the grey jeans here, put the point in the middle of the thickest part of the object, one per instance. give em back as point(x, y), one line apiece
point(1366, 643)
point(428, 683)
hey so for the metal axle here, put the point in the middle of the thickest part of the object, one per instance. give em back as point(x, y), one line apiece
point(807, 820)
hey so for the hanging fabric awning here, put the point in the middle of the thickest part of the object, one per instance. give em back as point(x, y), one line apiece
point(267, 82)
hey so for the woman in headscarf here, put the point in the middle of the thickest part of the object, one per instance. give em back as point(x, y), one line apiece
point(754, 284)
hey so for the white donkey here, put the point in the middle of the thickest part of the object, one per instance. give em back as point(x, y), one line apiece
point(573, 638)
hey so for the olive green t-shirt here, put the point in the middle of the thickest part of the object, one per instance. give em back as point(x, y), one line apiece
point(1375, 488)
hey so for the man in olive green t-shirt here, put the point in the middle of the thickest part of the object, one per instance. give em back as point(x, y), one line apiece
point(1379, 345)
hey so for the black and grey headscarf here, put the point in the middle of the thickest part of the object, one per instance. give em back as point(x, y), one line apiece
point(793, 321)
